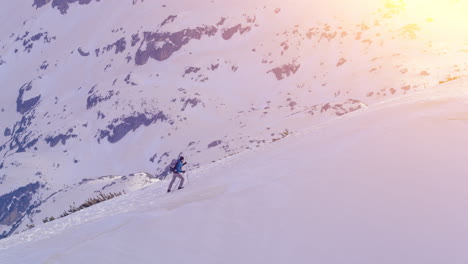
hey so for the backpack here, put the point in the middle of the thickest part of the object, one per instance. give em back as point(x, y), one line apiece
point(174, 169)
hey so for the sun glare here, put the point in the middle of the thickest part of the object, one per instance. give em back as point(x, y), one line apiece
point(446, 18)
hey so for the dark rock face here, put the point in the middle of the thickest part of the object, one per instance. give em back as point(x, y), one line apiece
point(135, 39)
point(153, 157)
point(214, 66)
point(161, 45)
point(40, 3)
point(285, 70)
point(62, 5)
point(25, 106)
point(119, 46)
point(119, 128)
point(53, 141)
point(28, 40)
point(44, 65)
point(340, 109)
point(228, 33)
point(192, 102)
point(15, 205)
point(341, 62)
point(21, 138)
point(94, 98)
point(7, 132)
point(221, 21)
point(83, 53)
point(214, 143)
point(128, 81)
point(190, 70)
point(169, 19)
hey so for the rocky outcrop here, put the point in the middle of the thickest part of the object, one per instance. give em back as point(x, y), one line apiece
point(61, 5)
point(25, 106)
point(14, 206)
point(120, 127)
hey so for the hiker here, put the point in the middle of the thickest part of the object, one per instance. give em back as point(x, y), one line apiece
point(177, 174)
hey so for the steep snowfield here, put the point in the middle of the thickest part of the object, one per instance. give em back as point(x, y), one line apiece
point(382, 185)
point(95, 91)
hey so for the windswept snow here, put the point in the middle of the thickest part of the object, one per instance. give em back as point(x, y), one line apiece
point(382, 185)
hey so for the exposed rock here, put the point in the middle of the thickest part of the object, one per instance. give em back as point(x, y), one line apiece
point(25, 106)
point(169, 19)
point(94, 99)
point(190, 70)
point(119, 46)
point(28, 43)
point(229, 32)
point(54, 140)
point(135, 39)
point(341, 62)
point(406, 87)
point(61, 5)
point(16, 205)
point(161, 45)
point(44, 65)
point(424, 73)
point(285, 70)
point(214, 143)
point(83, 53)
point(119, 128)
point(7, 132)
point(40, 3)
point(21, 139)
point(221, 22)
point(192, 102)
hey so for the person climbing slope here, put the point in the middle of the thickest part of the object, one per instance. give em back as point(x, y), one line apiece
point(177, 174)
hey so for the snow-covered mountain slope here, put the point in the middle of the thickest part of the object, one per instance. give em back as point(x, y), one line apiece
point(382, 185)
point(94, 91)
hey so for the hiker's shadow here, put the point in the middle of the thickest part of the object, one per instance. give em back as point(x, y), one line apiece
point(163, 175)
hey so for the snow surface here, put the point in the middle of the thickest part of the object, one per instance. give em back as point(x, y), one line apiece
point(316, 131)
point(381, 185)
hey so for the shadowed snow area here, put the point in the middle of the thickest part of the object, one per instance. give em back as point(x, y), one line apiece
point(382, 185)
